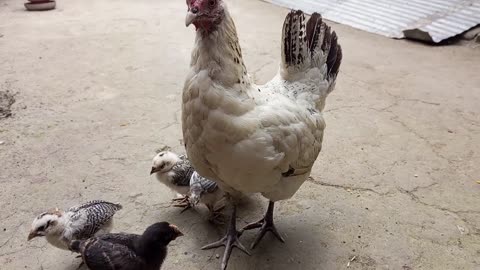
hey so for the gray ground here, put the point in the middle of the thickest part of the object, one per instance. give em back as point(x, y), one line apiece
point(98, 88)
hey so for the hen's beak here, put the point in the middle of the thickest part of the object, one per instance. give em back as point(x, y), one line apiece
point(32, 235)
point(190, 18)
point(154, 170)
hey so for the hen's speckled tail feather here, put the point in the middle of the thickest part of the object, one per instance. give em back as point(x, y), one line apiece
point(309, 45)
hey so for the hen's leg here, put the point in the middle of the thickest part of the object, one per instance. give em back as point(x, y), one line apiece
point(265, 224)
point(215, 215)
point(230, 240)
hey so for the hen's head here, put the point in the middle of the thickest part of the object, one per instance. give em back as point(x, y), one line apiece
point(204, 14)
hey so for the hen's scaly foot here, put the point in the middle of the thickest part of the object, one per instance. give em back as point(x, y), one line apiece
point(230, 240)
point(265, 224)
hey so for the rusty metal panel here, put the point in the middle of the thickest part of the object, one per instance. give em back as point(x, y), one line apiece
point(429, 20)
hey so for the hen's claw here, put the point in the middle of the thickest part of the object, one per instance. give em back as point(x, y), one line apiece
point(265, 224)
point(230, 240)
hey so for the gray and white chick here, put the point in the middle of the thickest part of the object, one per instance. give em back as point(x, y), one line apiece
point(173, 170)
point(177, 173)
point(79, 222)
point(207, 192)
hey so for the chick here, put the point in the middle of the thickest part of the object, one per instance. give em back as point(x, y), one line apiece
point(79, 222)
point(122, 251)
point(205, 191)
point(174, 171)
point(177, 173)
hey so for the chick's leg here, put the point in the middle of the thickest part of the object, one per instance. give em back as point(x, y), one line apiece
point(265, 224)
point(230, 240)
point(182, 202)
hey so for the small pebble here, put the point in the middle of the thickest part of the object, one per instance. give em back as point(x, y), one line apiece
point(135, 195)
point(416, 175)
point(217, 256)
point(185, 253)
point(2, 142)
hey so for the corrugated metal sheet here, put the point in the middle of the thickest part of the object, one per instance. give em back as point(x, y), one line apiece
point(430, 20)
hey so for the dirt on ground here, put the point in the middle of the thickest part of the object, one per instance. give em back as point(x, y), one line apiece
point(98, 89)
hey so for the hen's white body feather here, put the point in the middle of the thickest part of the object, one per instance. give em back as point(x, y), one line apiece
point(246, 136)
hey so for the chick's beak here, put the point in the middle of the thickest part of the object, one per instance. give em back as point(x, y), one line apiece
point(190, 18)
point(154, 170)
point(176, 230)
point(32, 235)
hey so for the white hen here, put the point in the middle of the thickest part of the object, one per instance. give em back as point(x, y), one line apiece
point(256, 138)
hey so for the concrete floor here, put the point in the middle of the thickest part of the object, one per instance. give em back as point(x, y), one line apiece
point(99, 85)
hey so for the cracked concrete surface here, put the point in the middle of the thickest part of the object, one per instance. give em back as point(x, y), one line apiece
point(98, 88)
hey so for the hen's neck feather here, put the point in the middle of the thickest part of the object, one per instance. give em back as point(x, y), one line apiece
point(219, 52)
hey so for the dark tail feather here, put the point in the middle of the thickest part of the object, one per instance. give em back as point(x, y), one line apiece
point(294, 43)
point(310, 44)
point(333, 51)
point(320, 35)
point(314, 30)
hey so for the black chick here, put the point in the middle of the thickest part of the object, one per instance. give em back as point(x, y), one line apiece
point(121, 251)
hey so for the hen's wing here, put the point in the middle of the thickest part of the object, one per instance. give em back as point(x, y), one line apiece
point(89, 217)
point(288, 137)
point(100, 254)
point(311, 58)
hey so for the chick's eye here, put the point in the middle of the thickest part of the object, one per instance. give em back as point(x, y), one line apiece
point(212, 3)
point(41, 228)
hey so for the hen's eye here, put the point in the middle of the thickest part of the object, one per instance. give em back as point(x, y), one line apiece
point(212, 3)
